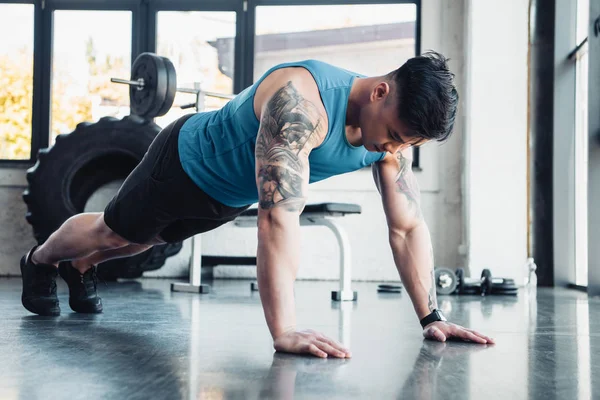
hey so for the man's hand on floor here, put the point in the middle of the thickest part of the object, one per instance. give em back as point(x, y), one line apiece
point(310, 342)
point(442, 331)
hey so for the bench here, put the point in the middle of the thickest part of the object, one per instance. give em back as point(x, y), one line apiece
point(324, 214)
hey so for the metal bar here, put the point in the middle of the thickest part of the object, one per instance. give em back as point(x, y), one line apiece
point(220, 95)
point(139, 83)
point(192, 91)
point(211, 94)
point(195, 267)
point(346, 293)
point(196, 261)
point(573, 54)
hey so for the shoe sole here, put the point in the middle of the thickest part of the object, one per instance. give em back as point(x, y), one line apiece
point(93, 309)
point(53, 312)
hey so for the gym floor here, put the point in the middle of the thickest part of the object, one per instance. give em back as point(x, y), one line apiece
point(152, 343)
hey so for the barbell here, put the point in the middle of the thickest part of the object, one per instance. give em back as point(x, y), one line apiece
point(153, 85)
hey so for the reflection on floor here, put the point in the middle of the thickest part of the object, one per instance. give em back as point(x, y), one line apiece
point(151, 343)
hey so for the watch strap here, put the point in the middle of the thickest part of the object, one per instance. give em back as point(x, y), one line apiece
point(436, 315)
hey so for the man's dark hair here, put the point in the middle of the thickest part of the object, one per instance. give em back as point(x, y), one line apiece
point(426, 96)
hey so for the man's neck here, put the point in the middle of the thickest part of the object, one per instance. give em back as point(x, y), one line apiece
point(355, 101)
point(359, 97)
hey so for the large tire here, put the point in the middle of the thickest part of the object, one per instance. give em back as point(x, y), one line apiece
point(67, 174)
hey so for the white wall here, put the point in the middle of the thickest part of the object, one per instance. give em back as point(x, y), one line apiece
point(497, 136)
point(496, 150)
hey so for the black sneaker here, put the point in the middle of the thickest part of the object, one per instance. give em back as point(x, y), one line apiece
point(39, 286)
point(83, 297)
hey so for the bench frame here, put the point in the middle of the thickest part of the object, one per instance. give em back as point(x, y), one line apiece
point(322, 218)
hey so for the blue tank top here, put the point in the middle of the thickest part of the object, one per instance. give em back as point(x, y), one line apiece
point(216, 148)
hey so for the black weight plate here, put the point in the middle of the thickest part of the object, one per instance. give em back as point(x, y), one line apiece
point(445, 281)
point(460, 275)
point(486, 281)
point(502, 281)
point(171, 87)
point(380, 290)
point(460, 279)
point(506, 292)
point(386, 288)
point(504, 287)
point(392, 287)
point(147, 102)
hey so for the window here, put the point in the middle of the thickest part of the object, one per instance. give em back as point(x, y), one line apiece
point(370, 39)
point(85, 55)
point(201, 47)
point(16, 80)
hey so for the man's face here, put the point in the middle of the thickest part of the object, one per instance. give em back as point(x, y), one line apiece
point(381, 129)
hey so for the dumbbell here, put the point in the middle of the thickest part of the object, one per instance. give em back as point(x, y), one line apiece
point(504, 286)
point(486, 285)
point(448, 282)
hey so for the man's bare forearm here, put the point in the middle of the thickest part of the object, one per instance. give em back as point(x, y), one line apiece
point(413, 255)
point(277, 265)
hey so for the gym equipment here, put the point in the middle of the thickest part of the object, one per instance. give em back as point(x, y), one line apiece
point(200, 97)
point(66, 175)
point(322, 214)
point(153, 86)
point(387, 288)
point(445, 281)
point(450, 282)
point(313, 214)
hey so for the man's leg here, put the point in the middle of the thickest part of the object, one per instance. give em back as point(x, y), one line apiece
point(78, 237)
point(85, 263)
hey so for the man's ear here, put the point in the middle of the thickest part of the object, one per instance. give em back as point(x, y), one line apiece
point(381, 91)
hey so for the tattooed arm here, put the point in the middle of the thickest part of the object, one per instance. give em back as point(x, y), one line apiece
point(291, 126)
point(408, 233)
point(411, 243)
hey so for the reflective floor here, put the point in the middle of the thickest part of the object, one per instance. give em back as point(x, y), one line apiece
point(154, 344)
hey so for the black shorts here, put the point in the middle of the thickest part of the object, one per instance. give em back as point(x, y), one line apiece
point(159, 198)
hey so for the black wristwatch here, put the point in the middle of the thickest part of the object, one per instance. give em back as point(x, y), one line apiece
point(436, 315)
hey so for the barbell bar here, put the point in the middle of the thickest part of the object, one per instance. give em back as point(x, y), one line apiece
point(139, 83)
point(210, 94)
point(140, 86)
point(153, 85)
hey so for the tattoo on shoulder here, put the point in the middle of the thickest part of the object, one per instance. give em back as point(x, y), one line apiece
point(289, 123)
point(406, 183)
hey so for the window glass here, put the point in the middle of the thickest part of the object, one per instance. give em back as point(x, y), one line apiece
point(16, 80)
point(370, 39)
point(201, 47)
point(89, 47)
